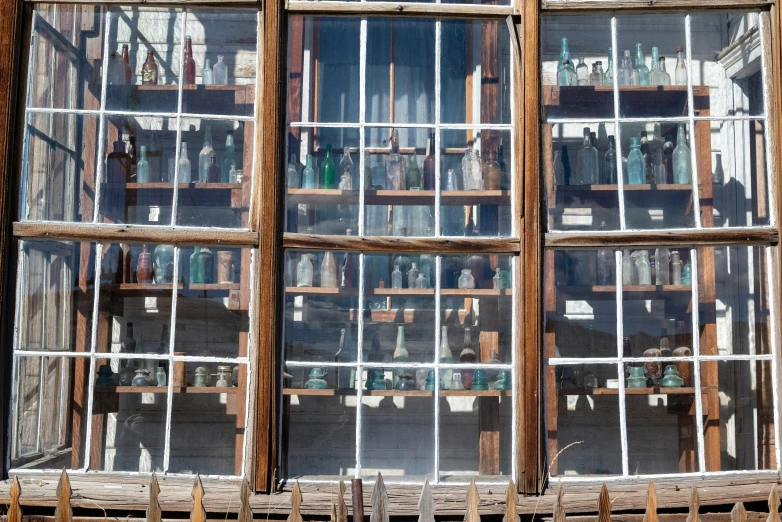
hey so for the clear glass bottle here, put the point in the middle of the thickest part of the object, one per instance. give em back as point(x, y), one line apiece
point(395, 165)
point(682, 166)
point(346, 167)
point(640, 65)
point(666, 77)
point(207, 75)
point(346, 375)
point(185, 172)
point(229, 157)
point(559, 169)
point(396, 277)
point(587, 167)
point(655, 75)
point(643, 268)
point(142, 168)
point(304, 271)
point(206, 152)
point(582, 72)
point(429, 164)
point(605, 263)
point(595, 78)
point(308, 175)
point(608, 75)
point(625, 69)
point(628, 268)
point(676, 268)
point(292, 178)
point(680, 73)
point(446, 357)
point(466, 280)
point(610, 170)
point(328, 179)
point(636, 168)
point(566, 72)
point(220, 71)
point(662, 260)
point(413, 174)
point(328, 271)
point(471, 170)
point(491, 172)
point(412, 275)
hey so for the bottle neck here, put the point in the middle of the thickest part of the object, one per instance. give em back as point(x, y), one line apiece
point(309, 161)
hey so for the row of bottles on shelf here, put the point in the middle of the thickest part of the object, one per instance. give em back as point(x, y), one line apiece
point(121, 73)
point(629, 72)
point(158, 267)
point(401, 174)
point(662, 267)
point(403, 378)
point(652, 158)
point(124, 166)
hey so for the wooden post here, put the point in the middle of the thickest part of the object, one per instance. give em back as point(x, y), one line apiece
point(15, 510)
point(651, 504)
point(154, 513)
point(245, 511)
point(773, 506)
point(64, 512)
point(295, 515)
point(426, 506)
point(341, 514)
point(473, 500)
point(511, 503)
point(738, 513)
point(559, 508)
point(603, 506)
point(198, 514)
point(379, 502)
point(695, 505)
point(357, 493)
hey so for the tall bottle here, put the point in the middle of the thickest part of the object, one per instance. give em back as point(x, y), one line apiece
point(595, 78)
point(636, 168)
point(628, 268)
point(346, 167)
point(644, 268)
point(625, 69)
point(205, 154)
point(467, 356)
point(491, 172)
point(149, 71)
point(471, 170)
point(582, 73)
point(586, 170)
point(185, 172)
point(605, 263)
point(328, 174)
point(190, 68)
point(559, 169)
point(666, 77)
point(682, 167)
point(610, 171)
point(346, 375)
point(229, 157)
point(126, 65)
point(662, 260)
point(401, 354)
point(566, 72)
point(640, 65)
point(680, 74)
point(395, 165)
point(308, 174)
point(196, 267)
point(429, 166)
point(292, 177)
point(207, 75)
point(142, 168)
point(413, 174)
point(446, 357)
point(117, 172)
point(608, 75)
point(220, 71)
point(155, 158)
point(412, 275)
point(655, 75)
point(676, 268)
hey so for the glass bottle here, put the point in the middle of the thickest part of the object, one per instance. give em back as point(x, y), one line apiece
point(648, 168)
point(665, 345)
point(207, 76)
point(605, 263)
point(304, 271)
point(625, 68)
point(142, 168)
point(292, 178)
point(308, 175)
point(190, 68)
point(205, 155)
point(208, 260)
point(413, 174)
point(229, 156)
point(665, 76)
point(595, 78)
point(662, 260)
point(667, 155)
point(567, 178)
point(586, 170)
point(608, 75)
point(196, 267)
point(346, 167)
point(682, 166)
point(149, 71)
point(446, 357)
point(636, 168)
point(396, 277)
point(680, 73)
point(346, 375)
point(466, 280)
point(495, 281)
point(117, 172)
point(559, 169)
point(395, 165)
point(655, 75)
point(429, 166)
point(640, 65)
point(467, 356)
point(133, 158)
point(566, 73)
point(628, 268)
point(610, 175)
point(491, 172)
point(116, 69)
point(687, 274)
point(582, 73)
point(643, 268)
point(412, 275)
point(328, 171)
point(676, 268)
point(471, 170)
point(185, 173)
point(128, 72)
point(220, 71)
point(401, 354)
point(213, 170)
point(155, 159)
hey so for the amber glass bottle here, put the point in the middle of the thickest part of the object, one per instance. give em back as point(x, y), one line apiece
point(149, 70)
point(190, 68)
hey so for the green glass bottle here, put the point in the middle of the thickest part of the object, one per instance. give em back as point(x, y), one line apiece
point(328, 171)
point(196, 267)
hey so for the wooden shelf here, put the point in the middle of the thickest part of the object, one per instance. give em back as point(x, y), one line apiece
point(399, 197)
point(142, 289)
point(398, 393)
point(164, 389)
point(390, 292)
point(214, 287)
point(629, 391)
point(312, 290)
point(194, 185)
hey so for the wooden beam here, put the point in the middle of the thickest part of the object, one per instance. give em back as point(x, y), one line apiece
point(401, 244)
point(399, 9)
point(649, 238)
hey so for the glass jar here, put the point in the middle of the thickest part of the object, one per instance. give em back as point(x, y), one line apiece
point(466, 280)
point(224, 377)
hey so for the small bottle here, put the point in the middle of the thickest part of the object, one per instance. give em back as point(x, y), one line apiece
point(396, 166)
point(220, 72)
point(349, 268)
point(304, 272)
point(628, 268)
point(396, 277)
point(213, 170)
point(643, 268)
point(142, 168)
point(190, 68)
point(401, 354)
point(126, 65)
point(412, 275)
point(292, 178)
point(471, 170)
point(610, 171)
point(640, 65)
point(116, 69)
point(466, 280)
point(429, 164)
point(586, 170)
point(676, 268)
point(347, 168)
point(413, 174)
point(582, 73)
point(491, 172)
point(196, 267)
point(680, 73)
point(185, 173)
point(595, 78)
point(328, 171)
point(655, 75)
point(205, 154)
point(308, 175)
point(682, 165)
point(328, 271)
point(149, 71)
point(687, 274)
point(636, 167)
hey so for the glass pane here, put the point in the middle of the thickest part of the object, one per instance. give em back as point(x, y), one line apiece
point(59, 167)
point(739, 410)
point(580, 303)
point(220, 406)
point(476, 174)
point(733, 155)
point(214, 191)
point(321, 301)
point(66, 50)
point(129, 419)
point(56, 284)
point(223, 47)
point(149, 81)
point(48, 413)
point(734, 301)
point(651, 81)
point(213, 305)
point(400, 76)
point(582, 419)
point(726, 63)
point(581, 177)
point(323, 69)
point(401, 201)
point(583, 87)
point(141, 158)
point(658, 180)
point(475, 55)
point(320, 199)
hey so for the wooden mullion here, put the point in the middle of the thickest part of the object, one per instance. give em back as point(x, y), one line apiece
point(650, 238)
point(402, 244)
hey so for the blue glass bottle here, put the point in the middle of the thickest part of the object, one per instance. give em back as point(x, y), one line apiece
point(636, 171)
